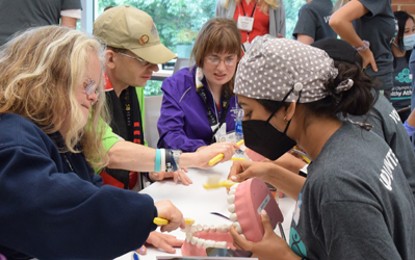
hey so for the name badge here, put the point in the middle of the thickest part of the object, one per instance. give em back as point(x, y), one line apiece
point(245, 23)
point(220, 135)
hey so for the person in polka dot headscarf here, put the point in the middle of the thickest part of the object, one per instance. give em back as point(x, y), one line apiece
point(355, 202)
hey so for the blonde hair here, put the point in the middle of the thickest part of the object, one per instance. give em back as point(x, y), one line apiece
point(264, 5)
point(40, 70)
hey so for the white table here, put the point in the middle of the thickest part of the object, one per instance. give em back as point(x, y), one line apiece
point(195, 202)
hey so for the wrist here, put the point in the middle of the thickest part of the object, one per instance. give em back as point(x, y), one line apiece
point(189, 160)
point(363, 47)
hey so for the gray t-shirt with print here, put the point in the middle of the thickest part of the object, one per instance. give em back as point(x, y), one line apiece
point(313, 19)
point(356, 202)
point(386, 123)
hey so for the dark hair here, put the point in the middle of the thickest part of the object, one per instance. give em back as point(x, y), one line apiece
point(356, 101)
point(401, 17)
point(272, 105)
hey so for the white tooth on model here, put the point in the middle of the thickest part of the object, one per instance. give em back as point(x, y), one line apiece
point(231, 208)
point(212, 228)
point(232, 191)
point(233, 187)
point(231, 199)
point(200, 242)
point(233, 217)
point(223, 228)
point(198, 227)
point(209, 243)
point(237, 227)
point(193, 241)
point(220, 244)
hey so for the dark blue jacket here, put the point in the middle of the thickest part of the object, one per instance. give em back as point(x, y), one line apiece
point(52, 205)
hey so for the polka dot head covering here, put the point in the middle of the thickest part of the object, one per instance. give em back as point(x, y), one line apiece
point(275, 67)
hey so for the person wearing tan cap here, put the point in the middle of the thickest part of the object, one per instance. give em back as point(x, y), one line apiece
point(133, 52)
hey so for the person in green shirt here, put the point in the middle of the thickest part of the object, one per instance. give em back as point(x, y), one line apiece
point(132, 54)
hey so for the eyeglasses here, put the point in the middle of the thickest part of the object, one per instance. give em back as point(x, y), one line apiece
point(140, 60)
point(90, 87)
point(216, 60)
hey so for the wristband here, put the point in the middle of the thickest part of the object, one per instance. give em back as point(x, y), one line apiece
point(171, 164)
point(363, 47)
point(157, 161)
point(163, 160)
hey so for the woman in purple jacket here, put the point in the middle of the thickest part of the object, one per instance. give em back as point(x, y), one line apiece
point(198, 107)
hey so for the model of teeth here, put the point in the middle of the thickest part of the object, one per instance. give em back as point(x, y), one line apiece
point(245, 202)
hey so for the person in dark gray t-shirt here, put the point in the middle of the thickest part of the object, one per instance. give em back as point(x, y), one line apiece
point(356, 202)
point(370, 27)
point(313, 22)
point(19, 15)
point(382, 117)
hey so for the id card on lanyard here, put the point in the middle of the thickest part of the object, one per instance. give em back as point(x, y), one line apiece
point(246, 23)
point(216, 122)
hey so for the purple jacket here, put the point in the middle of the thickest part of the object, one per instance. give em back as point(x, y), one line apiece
point(183, 122)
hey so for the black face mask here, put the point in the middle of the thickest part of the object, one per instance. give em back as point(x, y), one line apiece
point(263, 138)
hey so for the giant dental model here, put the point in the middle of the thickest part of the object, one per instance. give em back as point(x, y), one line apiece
point(246, 200)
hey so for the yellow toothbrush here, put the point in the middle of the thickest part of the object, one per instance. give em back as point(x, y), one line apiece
point(220, 156)
point(214, 182)
point(162, 221)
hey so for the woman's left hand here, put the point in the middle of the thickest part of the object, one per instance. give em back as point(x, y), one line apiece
point(164, 242)
point(177, 176)
point(271, 247)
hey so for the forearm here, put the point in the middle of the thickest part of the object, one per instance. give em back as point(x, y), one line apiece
point(290, 162)
point(342, 22)
point(189, 160)
point(132, 157)
point(286, 181)
point(346, 31)
point(68, 22)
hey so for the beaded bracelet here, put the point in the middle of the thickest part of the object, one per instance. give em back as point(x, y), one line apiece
point(163, 160)
point(364, 47)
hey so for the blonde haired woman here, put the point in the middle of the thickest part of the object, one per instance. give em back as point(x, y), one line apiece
point(254, 17)
point(50, 105)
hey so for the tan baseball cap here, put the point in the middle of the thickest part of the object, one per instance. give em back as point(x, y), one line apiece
point(126, 27)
